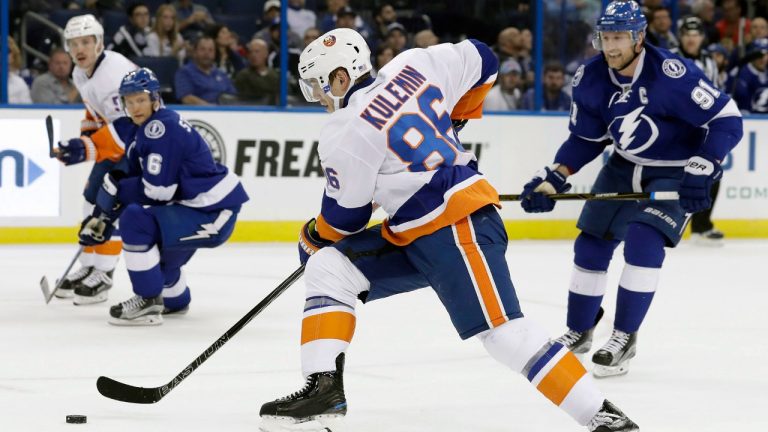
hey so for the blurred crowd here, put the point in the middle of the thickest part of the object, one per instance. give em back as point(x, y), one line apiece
point(228, 51)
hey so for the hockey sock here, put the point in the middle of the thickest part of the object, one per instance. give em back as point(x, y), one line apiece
point(523, 346)
point(592, 256)
point(106, 255)
point(142, 256)
point(644, 255)
point(176, 294)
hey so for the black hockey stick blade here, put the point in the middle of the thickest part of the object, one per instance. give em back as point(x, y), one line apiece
point(49, 129)
point(127, 393)
point(611, 196)
point(46, 287)
point(141, 395)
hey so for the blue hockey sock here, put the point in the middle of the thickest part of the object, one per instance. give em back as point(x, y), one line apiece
point(176, 294)
point(142, 256)
point(644, 255)
point(592, 256)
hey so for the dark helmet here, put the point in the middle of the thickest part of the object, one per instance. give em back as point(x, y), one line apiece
point(141, 80)
point(689, 24)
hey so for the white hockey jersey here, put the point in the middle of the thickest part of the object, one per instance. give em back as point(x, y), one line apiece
point(100, 94)
point(394, 144)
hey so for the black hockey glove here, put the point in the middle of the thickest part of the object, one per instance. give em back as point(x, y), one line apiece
point(547, 181)
point(95, 229)
point(700, 173)
point(310, 241)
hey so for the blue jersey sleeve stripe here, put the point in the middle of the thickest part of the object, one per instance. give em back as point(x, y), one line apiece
point(490, 63)
point(349, 220)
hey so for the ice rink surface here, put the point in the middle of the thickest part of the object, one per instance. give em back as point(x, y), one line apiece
point(702, 361)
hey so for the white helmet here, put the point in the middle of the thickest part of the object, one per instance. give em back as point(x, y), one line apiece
point(84, 25)
point(340, 47)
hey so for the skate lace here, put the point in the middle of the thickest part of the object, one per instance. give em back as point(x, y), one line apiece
point(95, 278)
point(307, 387)
point(569, 338)
point(79, 274)
point(603, 418)
point(617, 342)
point(135, 302)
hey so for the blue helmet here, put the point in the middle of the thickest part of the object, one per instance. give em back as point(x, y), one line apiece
point(141, 80)
point(620, 16)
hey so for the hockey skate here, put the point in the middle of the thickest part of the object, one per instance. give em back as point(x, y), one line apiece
point(74, 279)
point(613, 358)
point(580, 342)
point(94, 287)
point(319, 406)
point(611, 419)
point(712, 238)
point(137, 311)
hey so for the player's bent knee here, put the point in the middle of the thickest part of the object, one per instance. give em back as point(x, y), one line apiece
point(593, 253)
point(329, 273)
point(515, 342)
point(644, 246)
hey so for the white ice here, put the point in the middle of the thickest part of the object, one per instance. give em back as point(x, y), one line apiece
point(702, 361)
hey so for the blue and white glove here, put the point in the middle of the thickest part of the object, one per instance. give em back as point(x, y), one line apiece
point(310, 241)
point(545, 182)
point(106, 198)
point(76, 150)
point(95, 230)
point(700, 173)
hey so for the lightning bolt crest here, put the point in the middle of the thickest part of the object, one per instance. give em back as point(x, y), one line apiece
point(628, 126)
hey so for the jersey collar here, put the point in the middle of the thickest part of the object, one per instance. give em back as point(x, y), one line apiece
point(365, 83)
point(101, 58)
point(638, 71)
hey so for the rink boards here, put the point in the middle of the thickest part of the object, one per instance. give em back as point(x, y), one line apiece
point(274, 153)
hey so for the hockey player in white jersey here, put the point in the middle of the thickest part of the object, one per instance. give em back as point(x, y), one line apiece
point(391, 140)
point(97, 75)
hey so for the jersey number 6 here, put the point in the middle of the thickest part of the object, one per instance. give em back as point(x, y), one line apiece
point(423, 140)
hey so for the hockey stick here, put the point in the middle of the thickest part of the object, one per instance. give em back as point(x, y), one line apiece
point(49, 128)
point(44, 281)
point(612, 196)
point(147, 395)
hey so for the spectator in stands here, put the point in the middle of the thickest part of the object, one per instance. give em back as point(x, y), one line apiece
point(131, 39)
point(18, 91)
point(193, 18)
point(271, 35)
point(258, 83)
point(507, 43)
point(200, 82)
point(56, 86)
point(506, 96)
point(758, 29)
point(555, 98)
point(720, 55)
point(384, 54)
point(525, 56)
point(311, 34)
point(705, 10)
point(425, 38)
point(346, 17)
point(165, 39)
point(228, 59)
point(397, 37)
point(100, 5)
point(660, 29)
point(300, 19)
point(385, 16)
point(271, 12)
point(751, 87)
point(733, 28)
point(328, 20)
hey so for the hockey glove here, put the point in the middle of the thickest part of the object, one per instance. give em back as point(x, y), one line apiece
point(547, 181)
point(106, 198)
point(76, 150)
point(95, 230)
point(699, 174)
point(310, 241)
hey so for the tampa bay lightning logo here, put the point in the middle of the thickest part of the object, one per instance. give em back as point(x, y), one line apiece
point(634, 132)
point(760, 100)
point(577, 76)
point(155, 129)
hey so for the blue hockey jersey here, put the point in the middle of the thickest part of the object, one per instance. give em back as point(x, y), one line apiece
point(663, 115)
point(170, 162)
point(751, 90)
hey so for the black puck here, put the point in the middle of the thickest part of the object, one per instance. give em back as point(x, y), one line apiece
point(76, 419)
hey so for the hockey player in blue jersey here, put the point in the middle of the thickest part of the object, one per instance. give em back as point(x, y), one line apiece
point(390, 139)
point(670, 128)
point(172, 199)
point(751, 84)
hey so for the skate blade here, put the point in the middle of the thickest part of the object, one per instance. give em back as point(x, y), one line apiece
point(600, 371)
point(321, 423)
point(64, 294)
point(146, 320)
point(87, 300)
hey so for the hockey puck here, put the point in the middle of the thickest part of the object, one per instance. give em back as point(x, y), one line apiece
point(76, 419)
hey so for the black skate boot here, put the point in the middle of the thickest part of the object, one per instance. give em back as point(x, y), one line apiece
point(74, 279)
point(613, 358)
point(580, 342)
point(137, 311)
point(611, 419)
point(322, 400)
point(93, 288)
point(712, 237)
